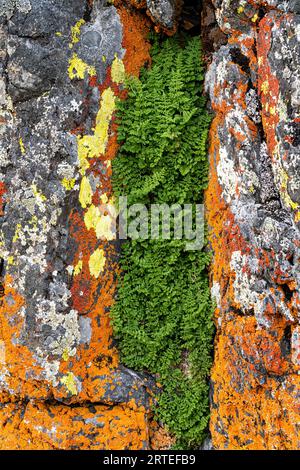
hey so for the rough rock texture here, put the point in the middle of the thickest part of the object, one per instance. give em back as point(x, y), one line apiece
point(50, 427)
point(62, 70)
point(164, 13)
point(254, 216)
point(61, 382)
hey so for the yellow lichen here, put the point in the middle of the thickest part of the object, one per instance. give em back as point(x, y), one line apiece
point(265, 87)
point(118, 71)
point(16, 235)
point(65, 355)
point(97, 262)
point(34, 222)
point(91, 217)
point(69, 381)
point(104, 198)
point(77, 268)
point(38, 195)
point(22, 147)
point(240, 10)
point(68, 184)
point(104, 228)
point(78, 68)
point(102, 224)
point(10, 260)
point(75, 31)
point(254, 18)
point(85, 193)
point(108, 104)
point(284, 177)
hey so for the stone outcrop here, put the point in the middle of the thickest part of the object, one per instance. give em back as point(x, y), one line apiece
point(62, 71)
point(164, 13)
point(253, 214)
point(62, 66)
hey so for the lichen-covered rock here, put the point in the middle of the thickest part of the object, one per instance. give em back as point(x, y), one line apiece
point(62, 69)
point(164, 13)
point(253, 213)
point(62, 72)
point(52, 427)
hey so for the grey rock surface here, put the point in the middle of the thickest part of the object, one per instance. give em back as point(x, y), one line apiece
point(254, 215)
point(43, 100)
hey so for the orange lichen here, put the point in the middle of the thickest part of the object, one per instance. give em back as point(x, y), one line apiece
point(17, 360)
point(50, 427)
point(160, 439)
point(253, 411)
point(136, 28)
point(85, 377)
point(267, 85)
point(225, 235)
point(142, 5)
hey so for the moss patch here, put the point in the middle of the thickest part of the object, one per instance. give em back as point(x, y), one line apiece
point(163, 315)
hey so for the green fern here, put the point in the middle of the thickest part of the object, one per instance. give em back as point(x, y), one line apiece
point(163, 315)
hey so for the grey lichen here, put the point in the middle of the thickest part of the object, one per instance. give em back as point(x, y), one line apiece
point(7, 7)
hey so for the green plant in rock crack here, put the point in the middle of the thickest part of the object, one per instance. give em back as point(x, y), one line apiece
point(163, 314)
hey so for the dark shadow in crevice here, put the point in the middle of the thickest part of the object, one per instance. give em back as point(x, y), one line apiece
point(285, 343)
point(88, 11)
point(190, 18)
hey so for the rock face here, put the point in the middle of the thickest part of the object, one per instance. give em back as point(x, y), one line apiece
point(254, 217)
point(62, 71)
point(164, 13)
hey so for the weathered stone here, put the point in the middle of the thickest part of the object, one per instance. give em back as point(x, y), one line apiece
point(164, 13)
point(52, 427)
point(62, 72)
point(253, 213)
point(211, 35)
